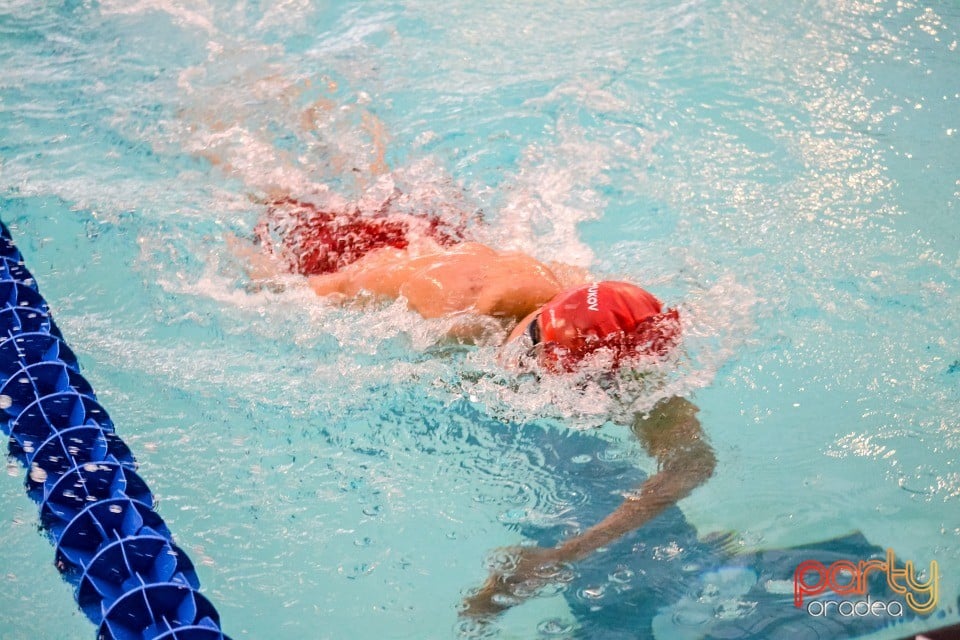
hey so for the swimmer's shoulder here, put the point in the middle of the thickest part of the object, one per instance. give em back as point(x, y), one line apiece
point(472, 249)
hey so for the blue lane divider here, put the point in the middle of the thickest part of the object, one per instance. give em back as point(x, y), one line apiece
point(131, 579)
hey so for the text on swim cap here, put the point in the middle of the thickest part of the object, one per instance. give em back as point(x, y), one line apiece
point(592, 303)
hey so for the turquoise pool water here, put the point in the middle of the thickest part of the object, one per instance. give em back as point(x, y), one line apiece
point(786, 174)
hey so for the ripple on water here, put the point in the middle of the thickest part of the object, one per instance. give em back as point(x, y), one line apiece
point(553, 627)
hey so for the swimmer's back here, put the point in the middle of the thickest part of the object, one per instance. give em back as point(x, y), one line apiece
point(439, 281)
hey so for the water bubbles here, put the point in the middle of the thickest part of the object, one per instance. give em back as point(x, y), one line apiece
point(668, 551)
point(622, 575)
point(468, 628)
point(734, 608)
point(564, 575)
point(519, 493)
point(592, 593)
point(525, 590)
point(554, 627)
point(505, 600)
point(502, 560)
point(559, 584)
point(691, 617)
point(566, 497)
point(590, 397)
point(513, 516)
point(612, 454)
point(115, 508)
point(5, 401)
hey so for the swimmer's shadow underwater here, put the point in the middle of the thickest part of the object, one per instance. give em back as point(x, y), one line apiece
point(664, 580)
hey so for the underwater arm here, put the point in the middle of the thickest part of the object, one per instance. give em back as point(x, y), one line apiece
point(672, 435)
point(262, 268)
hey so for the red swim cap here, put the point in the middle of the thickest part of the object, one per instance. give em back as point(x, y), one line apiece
point(614, 315)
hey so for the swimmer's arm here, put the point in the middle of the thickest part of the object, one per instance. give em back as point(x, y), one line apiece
point(516, 286)
point(260, 266)
point(672, 435)
point(382, 272)
point(327, 284)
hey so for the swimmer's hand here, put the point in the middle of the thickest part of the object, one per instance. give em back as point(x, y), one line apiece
point(262, 269)
point(529, 569)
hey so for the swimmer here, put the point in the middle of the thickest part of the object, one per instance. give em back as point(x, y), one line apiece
point(626, 322)
point(428, 262)
point(557, 321)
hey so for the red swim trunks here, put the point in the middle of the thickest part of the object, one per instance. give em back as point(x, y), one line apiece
point(312, 241)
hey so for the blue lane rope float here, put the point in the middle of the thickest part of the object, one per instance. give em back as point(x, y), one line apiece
point(131, 579)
